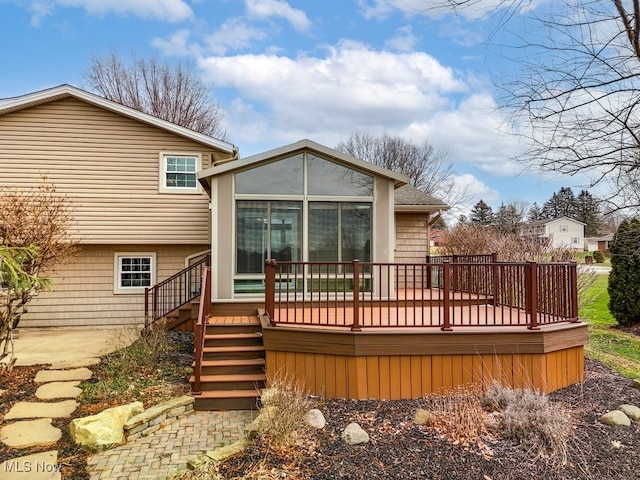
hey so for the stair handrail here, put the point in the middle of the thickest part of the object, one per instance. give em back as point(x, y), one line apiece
point(174, 292)
point(204, 312)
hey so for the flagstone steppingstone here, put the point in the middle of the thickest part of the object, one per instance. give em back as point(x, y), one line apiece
point(41, 410)
point(39, 466)
point(82, 362)
point(53, 390)
point(46, 376)
point(30, 433)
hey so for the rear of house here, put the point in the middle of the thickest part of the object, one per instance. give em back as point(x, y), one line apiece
point(140, 214)
point(562, 232)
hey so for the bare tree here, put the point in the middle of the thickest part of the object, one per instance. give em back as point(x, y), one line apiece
point(170, 92)
point(425, 165)
point(38, 220)
point(576, 90)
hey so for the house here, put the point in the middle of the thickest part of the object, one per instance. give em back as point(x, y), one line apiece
point(562, 232)
point(318, 261)
point(131, 180)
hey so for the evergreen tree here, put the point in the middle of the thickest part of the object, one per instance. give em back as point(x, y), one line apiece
point(624, 279)
point(561, 204)
point(588, 212)
point(507, 219)
point(535, 213)
point(481, 214)
point(463, 220)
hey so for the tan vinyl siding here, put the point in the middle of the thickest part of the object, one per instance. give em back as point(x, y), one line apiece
point(412, 243)
point(83, 291)
point(108, 165)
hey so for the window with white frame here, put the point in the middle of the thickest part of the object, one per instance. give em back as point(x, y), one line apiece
point(134, 272)
point(576, 240)
point(564, 228)
point(178, 173)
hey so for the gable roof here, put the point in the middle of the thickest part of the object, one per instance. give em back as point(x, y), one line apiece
point(8, 105)
point(411, 199)
point(550, 220)
point(332, 154)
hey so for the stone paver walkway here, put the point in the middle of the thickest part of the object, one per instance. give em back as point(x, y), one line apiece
point(169, 449)
point(25, 432)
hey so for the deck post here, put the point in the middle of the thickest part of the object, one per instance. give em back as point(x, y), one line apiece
point(146, 308)
point(356, 297)
point(270, 289)
point(428, 284)
point(446, 292)
point(573, 288)
point(532, 285)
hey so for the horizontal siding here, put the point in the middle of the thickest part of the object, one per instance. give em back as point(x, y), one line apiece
point(412, 244)
point(83, 291)
point(395, 377)
point(108, 165)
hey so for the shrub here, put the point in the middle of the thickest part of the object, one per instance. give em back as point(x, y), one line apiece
point(624, 279)
point(541, 428)
point(598, 256)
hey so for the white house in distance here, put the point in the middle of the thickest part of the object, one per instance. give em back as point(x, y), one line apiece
point(557, 232)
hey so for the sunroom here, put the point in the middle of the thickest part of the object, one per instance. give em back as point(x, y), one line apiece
point(300, 203)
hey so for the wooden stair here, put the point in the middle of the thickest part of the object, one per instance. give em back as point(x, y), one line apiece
point(232, 373)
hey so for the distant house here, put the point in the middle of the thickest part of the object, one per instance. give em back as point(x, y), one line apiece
point(560, 232)
point(599, 243)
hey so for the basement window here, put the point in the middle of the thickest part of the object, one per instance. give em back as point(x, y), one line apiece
point(134, 272)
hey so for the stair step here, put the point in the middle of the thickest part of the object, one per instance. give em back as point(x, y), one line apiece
point(233, 328)
point(227, 400)
point(233, 336)
point(244, 381)
point(243, 377)
point(232, 366)
point(238, 351)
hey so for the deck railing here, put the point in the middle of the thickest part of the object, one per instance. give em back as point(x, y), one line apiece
point(175, 291)
point(364, 294)
point(204, 312)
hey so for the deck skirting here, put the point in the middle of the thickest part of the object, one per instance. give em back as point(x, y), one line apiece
point(409, 363)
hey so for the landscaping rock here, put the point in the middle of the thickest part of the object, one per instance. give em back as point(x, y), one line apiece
point(261, 422)
point(354, 434)
point(30, 433)
point(615, 417)
point(50, 391)
point(636, 383)
point(221, 453)
point(423, 417)
point(104, 430)
point(39, 466)
point(315, 419)
point(46, 376)
point(41, 410)
point(630, 411)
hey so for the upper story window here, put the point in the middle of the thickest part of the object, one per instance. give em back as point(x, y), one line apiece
point(564, 228)
point(178, 173)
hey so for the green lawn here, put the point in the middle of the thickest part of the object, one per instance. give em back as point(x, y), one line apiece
point(619, 350)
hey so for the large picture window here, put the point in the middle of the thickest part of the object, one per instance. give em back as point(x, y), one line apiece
point(305, 202)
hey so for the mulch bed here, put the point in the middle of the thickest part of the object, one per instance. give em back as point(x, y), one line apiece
point(399, 449)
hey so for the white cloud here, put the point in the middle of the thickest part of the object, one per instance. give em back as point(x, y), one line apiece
point(176, 45)
point(234, 34)
point(265, 9)
point(164, 10)
point(351, 87)
point(474, 191)
point(404, 41)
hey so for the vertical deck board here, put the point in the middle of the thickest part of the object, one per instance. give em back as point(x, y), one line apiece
point(405, 377)
point(394, 376)
point(416, 377)
point(385, 377)
point(425, 366)
point(330, 375)
point(374, 377)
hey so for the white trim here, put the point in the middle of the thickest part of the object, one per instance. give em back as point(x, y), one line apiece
point(162, 177)
point(117, 288)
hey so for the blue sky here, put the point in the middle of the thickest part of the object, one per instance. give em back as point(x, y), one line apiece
point(287, 70)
